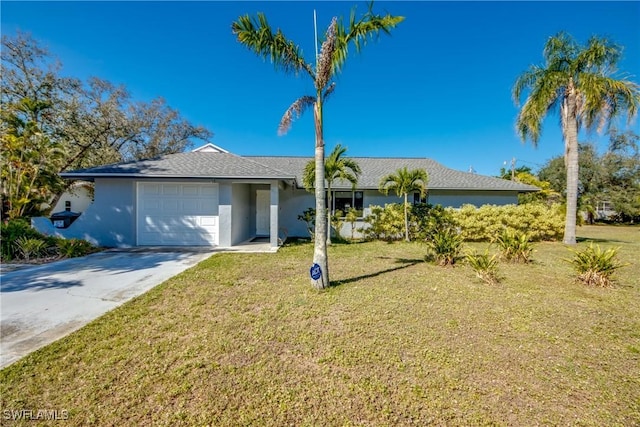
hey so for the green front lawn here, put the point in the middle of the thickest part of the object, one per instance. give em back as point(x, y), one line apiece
point(243, 339)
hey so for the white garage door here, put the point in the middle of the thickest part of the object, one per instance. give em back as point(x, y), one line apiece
point(176, 214)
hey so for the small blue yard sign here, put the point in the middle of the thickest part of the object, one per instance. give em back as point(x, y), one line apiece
point(315, 272)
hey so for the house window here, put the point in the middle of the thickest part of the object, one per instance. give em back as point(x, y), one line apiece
point(345, 200)
point(417, 199)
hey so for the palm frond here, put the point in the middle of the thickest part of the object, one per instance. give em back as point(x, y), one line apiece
point(257, 36)
point(329, 91)
point(309, 175)
point(606, 97)
point(294, 112)
point(338, 167)
point(546, 88)
point(405, 181)
point(359, 32)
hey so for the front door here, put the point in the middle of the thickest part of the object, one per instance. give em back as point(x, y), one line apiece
point(263, 206)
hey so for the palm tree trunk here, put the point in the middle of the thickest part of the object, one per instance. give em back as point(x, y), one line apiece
point(571, 163)
point(320, 243)
point(406, 219)
point(329, 208)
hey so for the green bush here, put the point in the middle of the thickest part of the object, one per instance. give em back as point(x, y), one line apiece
point(351, 217)
point(539, 221)
point(595, 267)
point(514, 246)
point(309, 218)
point(27, 247)
point(429, 220)
point(14, 230)
point(72, 248)
point(385, 223)
point(445, 247)
point(485, 266)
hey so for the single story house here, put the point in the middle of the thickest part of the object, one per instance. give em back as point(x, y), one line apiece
point(210, 197)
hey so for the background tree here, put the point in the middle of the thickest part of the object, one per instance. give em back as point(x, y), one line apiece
point(336, 166)
point(576, 81)
point(51, 123)
point(403, 182)
point(613, 176)
point(258, 36)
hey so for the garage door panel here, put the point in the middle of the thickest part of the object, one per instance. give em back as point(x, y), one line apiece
point(170, 190)
point(177, 214)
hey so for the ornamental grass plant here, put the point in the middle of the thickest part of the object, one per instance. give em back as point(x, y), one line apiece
point(596, 266)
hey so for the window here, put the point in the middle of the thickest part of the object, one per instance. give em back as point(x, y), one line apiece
point(345, 200)
point(417, 199)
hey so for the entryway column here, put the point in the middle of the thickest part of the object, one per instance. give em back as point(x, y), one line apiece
point(274, 214)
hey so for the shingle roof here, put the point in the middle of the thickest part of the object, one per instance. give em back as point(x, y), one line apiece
point(228, 165)
point(374, 168)
point(186, 165)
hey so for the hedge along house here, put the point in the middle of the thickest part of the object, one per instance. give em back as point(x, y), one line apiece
point(210, 197)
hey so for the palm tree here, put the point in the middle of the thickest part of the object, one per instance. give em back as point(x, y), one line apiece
point(577, 81)
point(405, 181)
point(335, 167)
point(257, 35)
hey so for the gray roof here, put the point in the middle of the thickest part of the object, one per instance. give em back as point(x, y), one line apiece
point(227, 165)
point(374, 168)
point(185, 165)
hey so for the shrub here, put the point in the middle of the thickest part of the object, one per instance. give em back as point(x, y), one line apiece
point(27, 247)
point(385, 223)
point(595, 267)
point(444, 247)
point(309, 218)
point(486, 267)
point(540, 221)
point(337, 221)
point(514, 246)
point(352, 217)
point(71, 248)
point(15, 229)
point(428, 220)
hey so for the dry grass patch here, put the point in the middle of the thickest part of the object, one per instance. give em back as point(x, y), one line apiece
point(243, 339)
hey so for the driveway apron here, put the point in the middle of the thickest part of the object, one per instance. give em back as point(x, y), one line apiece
point(44, 303)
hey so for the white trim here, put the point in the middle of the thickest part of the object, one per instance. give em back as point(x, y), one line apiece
point(209, 148)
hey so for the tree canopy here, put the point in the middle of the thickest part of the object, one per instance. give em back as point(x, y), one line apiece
point(50, 123)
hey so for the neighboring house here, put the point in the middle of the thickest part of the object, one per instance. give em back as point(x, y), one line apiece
point(210, 197)
point(76, 199)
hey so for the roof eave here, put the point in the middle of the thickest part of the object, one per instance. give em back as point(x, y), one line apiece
point(173, 176)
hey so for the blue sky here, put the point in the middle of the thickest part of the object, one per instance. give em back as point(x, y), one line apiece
point(439, 87)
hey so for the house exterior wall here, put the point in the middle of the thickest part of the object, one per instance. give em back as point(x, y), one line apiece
point(240, 213)
point(225, 203)
point(294, 201)
point(79, 196)
point(455, 199)
point(108, 221)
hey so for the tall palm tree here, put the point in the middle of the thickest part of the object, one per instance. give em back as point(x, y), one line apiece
point(405, 181)
point(335, 167)
point(257, 35)
point(577, 81)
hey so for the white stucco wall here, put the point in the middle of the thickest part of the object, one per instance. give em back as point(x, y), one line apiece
point(108, 221)
point(292, 203)
point(240, 213)
point(79, 196)
point(456, 199)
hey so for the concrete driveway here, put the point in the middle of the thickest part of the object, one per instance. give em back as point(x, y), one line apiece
point(44, 303)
